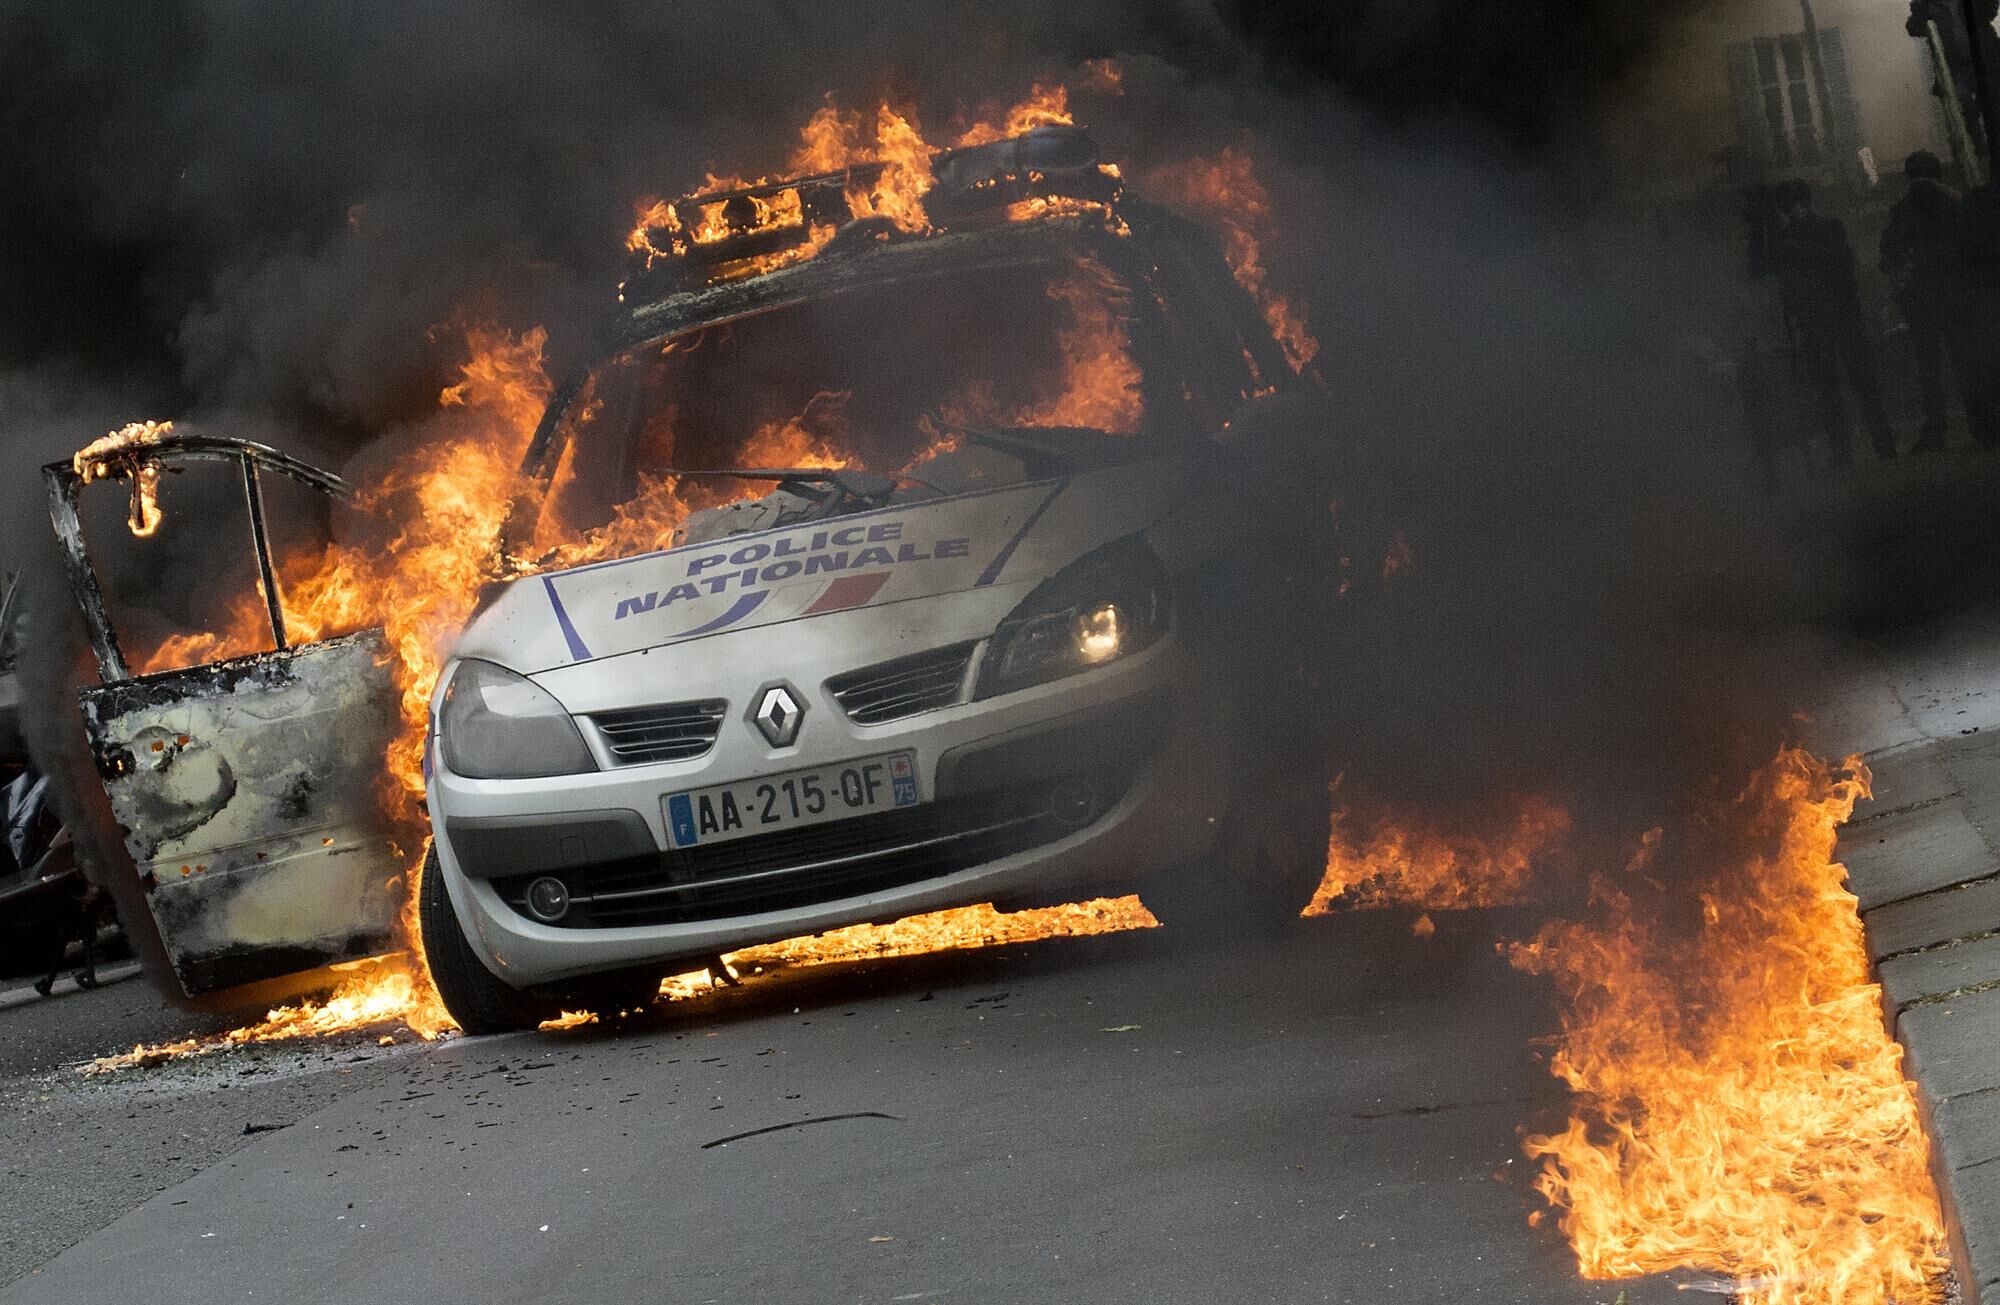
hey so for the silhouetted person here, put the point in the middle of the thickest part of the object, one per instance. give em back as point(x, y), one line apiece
point(1922, 258)
point(1810, 256)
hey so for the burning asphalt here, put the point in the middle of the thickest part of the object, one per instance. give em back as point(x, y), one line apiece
point(1047, 691)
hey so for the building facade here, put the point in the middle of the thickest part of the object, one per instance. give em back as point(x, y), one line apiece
point(1743, 93)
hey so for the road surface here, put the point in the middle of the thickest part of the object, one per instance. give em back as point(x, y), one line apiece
point(1118, 1119)
point(1115, 1119)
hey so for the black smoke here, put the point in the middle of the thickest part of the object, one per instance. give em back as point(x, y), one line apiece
point(269, 206)
point(259, 217)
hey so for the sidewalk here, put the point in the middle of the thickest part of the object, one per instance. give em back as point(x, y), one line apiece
point(1923, 857)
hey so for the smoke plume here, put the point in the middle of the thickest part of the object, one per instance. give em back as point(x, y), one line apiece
point(256, 220)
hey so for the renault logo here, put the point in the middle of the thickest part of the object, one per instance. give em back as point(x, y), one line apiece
point(778, 715)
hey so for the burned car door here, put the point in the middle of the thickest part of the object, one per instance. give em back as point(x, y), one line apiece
point(247, 789)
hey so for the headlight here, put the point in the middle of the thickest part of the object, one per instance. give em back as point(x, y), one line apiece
point(499, 725)
point(1101, 607)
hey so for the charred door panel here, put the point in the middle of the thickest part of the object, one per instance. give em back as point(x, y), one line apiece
point(247, 792)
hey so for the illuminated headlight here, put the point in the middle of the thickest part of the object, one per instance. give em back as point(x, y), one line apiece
point(1100, 633)
point(498, 725)
point(1102, 607)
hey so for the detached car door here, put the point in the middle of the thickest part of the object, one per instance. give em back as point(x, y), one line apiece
point(246, 789)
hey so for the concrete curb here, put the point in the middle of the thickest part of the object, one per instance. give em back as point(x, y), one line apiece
point(1924, 860)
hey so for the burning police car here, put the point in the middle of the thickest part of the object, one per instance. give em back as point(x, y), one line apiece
point(1037, 607)
point(878, 562)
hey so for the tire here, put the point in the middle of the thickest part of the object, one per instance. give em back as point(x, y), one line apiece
point(479, 1002)
point(1268, 860)
point(482, 1003)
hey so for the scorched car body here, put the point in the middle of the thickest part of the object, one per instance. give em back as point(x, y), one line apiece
point(1056, 626)
point(1048, 662)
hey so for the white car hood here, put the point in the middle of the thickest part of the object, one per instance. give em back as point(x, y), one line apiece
point(998, 537)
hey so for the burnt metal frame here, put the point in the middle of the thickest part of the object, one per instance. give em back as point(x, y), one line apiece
point(1126, 260)
point(64, 485)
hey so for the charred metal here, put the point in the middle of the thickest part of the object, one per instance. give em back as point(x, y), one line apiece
point(245, 792)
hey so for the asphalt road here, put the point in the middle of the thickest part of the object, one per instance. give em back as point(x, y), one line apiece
point(1333, 1118)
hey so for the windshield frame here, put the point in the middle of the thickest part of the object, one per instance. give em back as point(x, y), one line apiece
point(1055, 244)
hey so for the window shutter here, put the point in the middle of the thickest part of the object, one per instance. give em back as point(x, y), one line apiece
point(1743, 88)
point(1842, 116)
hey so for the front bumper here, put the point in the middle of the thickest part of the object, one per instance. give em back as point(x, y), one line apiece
point(1143, 734)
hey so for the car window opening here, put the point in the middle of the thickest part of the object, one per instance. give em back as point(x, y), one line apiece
point(981, 379)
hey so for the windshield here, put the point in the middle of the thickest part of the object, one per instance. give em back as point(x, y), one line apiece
point(919, 382)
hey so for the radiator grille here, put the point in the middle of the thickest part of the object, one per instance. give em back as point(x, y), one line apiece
point(904, 687)
point(674, 731)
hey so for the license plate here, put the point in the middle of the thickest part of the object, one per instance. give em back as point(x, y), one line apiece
point(798, 797)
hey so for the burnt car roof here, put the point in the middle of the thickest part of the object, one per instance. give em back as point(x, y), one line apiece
point(869, 263)
point(1125, 253)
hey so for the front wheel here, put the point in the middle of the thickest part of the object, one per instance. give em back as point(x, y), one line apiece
point(480, 1002)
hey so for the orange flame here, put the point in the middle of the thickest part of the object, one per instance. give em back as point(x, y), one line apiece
point(430, 530)
point(657, 223)
point(1105, 76)
point(1227, 189)
point(92, 462)
point(958, 929)
point(1741, 1107)
point(1098, 386)
point(398, 994)
point(1100, 382)
point(1046, 106)
point(1402, 860)
point(393, 997)
point(832, 140)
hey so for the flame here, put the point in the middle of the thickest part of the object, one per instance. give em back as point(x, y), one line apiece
point(245, 630)
point(889, 166)
point(1044, 206)
point(1098, 386)
point(1398, 558)
point(1740, 1106)
point(394, 995)
point(813, 437)
point(1046, 106)
point(1100, 382)
point(397, 994)
point(93, 462)
point(660, 231)
point(833, 139)
point(430, 536)
point(1402, 860)
point(428, 532)
point(957, 929)
point(656, 218)
point(1227, 189)
point(1105, 76)
point(806, 440)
